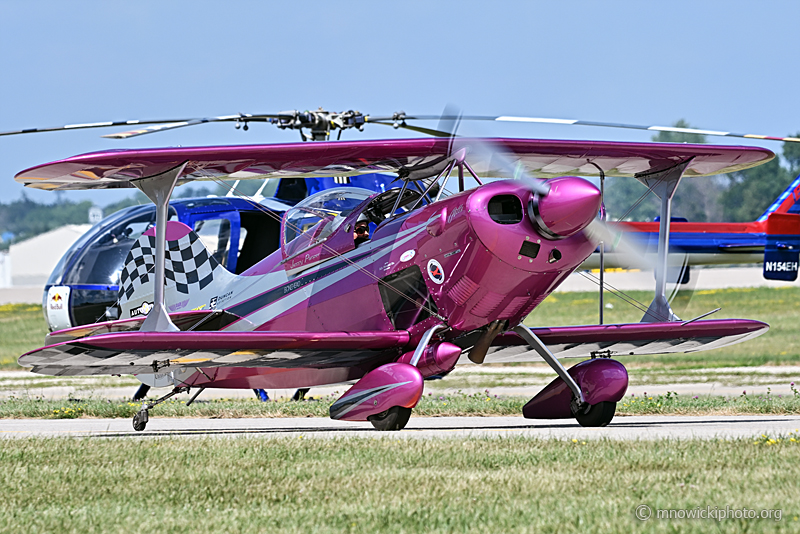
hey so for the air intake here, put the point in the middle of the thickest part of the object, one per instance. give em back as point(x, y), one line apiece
point(505, 209)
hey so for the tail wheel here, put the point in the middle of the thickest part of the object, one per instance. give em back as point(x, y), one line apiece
point(395, 418)
point(140, 420)
point(599, 414)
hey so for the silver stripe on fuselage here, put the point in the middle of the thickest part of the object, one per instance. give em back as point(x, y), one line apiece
point(273, 310)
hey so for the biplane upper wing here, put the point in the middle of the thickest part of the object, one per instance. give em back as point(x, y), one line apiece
point(543, 158)
point(148, 352)
point(611, 340)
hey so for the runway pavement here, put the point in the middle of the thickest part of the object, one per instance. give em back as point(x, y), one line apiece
point(621, 428)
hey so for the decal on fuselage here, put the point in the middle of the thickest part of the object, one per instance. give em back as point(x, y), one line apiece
point(436, 271)
point(178, 305)
point(781, 266)
point(407, 255)
point(144, 309)
point(219, 300)
point(455, 213)
point(56, 302)
point(247, 307)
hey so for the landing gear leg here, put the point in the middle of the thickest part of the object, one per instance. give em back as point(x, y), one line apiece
point(142, 416)
point(300, 394)
point(578, 403)
point(141, 393)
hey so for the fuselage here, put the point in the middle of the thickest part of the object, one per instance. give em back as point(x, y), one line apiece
point(464, 262)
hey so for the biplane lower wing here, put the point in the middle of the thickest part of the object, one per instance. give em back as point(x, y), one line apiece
point(612, 340)
point(151, 352)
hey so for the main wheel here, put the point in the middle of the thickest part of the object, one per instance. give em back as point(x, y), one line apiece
point(140, 421)
point(599, 414)
point(395, 418)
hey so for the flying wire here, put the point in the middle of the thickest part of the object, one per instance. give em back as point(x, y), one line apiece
point(353, 264)
point(621, 294)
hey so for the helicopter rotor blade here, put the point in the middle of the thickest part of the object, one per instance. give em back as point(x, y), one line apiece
point(156, 125)
point(153, 129)
point(577, 122)
point(449, 121)
point(84, 126)
point(419, 129)
point(447, 124)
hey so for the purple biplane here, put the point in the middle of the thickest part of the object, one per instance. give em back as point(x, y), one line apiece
point(384, 289)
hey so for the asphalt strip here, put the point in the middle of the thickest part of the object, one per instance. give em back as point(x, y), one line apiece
point(621, 428)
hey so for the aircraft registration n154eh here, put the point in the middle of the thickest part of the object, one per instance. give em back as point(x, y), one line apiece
point(384, 289)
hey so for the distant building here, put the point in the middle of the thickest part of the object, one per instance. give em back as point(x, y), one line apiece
point(34, 259)
point(5, 269)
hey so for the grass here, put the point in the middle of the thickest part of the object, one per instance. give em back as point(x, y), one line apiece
point(477, 378)
point(22, 328)
point(776, 306)
point(673, 404)
point(431, 405)
point(172, 485)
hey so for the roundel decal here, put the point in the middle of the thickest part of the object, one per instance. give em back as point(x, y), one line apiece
point(435, 271)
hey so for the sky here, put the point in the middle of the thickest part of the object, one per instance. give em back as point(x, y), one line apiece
point(722, 65)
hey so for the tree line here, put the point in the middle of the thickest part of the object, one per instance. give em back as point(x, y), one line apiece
point(736, 197)
point(25, 218)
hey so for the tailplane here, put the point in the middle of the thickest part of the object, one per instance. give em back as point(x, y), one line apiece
point(787, 202)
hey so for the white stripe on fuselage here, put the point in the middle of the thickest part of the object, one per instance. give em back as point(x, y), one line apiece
point(275, 280)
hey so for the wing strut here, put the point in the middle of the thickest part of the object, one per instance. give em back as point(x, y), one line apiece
point(663, 184)
point(159, 189)
point(602, 244)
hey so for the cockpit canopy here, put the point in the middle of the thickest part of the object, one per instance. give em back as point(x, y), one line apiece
point(312, 221)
